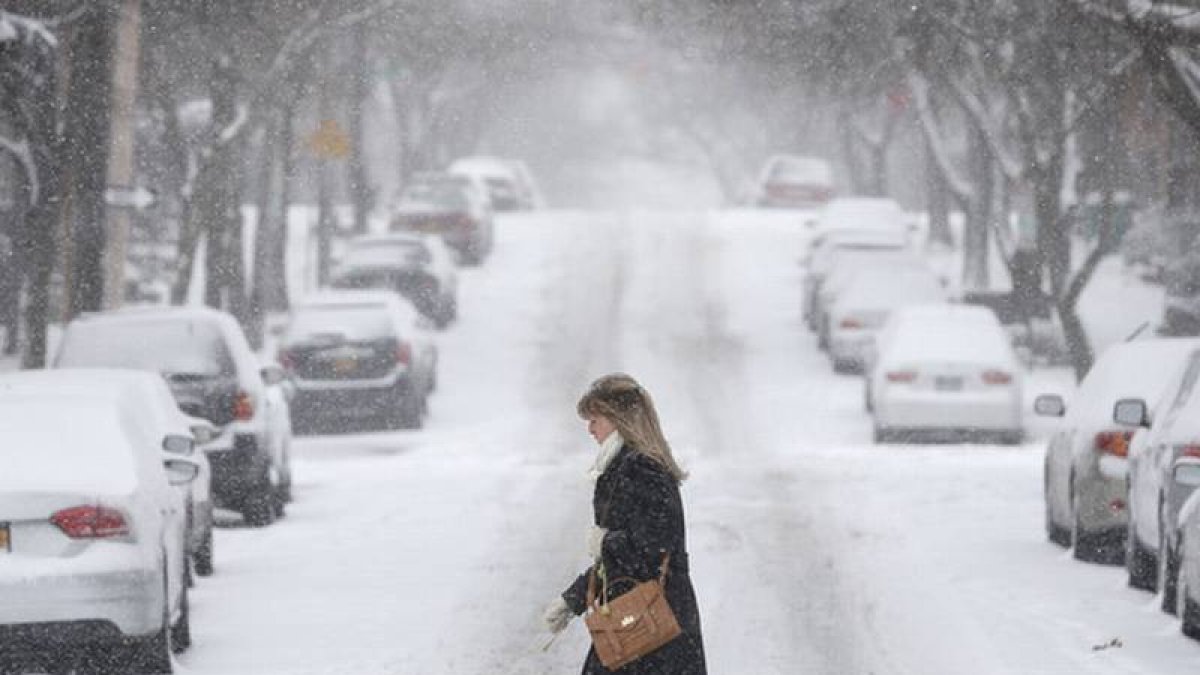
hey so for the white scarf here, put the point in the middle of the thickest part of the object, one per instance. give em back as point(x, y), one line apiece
point(608, 451)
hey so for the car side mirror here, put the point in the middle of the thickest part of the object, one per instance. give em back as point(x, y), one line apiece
point(176, 444)
point(273, 375)
point(1131, 412)
point(204, 433)
point(1187, 474)
point(180, 471)
point(1049, 405)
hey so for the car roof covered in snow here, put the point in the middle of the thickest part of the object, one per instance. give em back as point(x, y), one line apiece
point(797, 168)
point(1139, 369)
point(334, 299)
point(886, 290)
point(863, 213)
point(482, 165)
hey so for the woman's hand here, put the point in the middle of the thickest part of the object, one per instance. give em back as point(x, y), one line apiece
point(557, 615)
point(595, 542)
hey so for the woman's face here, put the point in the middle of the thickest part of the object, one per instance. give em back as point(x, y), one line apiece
point(600, 427)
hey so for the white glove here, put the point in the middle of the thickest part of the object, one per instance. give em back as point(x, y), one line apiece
point(557, 615)
point(595, 542)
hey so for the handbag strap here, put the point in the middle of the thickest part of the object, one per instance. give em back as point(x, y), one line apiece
point(599, 570)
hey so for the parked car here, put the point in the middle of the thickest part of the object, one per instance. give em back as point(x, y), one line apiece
point(495, 177)
point(796, 182)
point(901, 265)
point(1163, 434)
point(357, 355)
point(835, 249)
point(214, 375)
point(450, 207)
point(167, 427)
point(856, 214)
point(857, 313)
point(1186, 474)
point(418, 267)
point(946, 372)
point(1086, 464)
point(92, 537)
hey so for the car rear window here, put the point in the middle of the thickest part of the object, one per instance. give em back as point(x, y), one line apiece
point(180, 346)
point(442, 194)
point(350, 322)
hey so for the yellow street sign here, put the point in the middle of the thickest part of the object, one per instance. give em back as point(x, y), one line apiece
point(329, 141)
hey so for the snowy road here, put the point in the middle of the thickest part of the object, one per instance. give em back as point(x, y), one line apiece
point(812, 551)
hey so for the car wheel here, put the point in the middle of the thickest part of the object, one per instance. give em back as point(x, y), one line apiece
point(410, 412)
point(1083, 544)
point(1139, 563)
point(1190, 613)
point(1055, 533)
point(202, 559)
point(258, 508)
point(1168, 572)
point(181, 630)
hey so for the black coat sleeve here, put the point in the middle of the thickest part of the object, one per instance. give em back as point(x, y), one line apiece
point(576, 595)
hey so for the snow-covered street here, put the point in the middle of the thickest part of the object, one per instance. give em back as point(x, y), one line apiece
point(812, 550)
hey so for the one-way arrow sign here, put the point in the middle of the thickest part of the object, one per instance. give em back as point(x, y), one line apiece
point(138, 198)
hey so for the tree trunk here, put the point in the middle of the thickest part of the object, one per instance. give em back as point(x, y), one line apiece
point(359, 183)
point(937, 197)
point(216, 207)
point(979, 215)
point(325, 217)
point(87, 139)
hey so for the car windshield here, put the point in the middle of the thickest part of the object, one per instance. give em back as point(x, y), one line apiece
point(444, 195)
point(175, 346)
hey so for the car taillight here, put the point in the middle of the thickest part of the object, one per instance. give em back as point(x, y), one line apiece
point(404, 353)
point(1115, 443)
point(1190, 451)
point(996, 377)
point(243, 406)
point(901, 376)
point(91, 522)
point(850, 324)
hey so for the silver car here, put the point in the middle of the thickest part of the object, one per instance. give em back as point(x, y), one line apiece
point(1186, 473)
point(92, 537)
point(1086, 468)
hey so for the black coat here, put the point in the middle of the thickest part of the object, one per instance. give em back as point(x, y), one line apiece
point(639, 504)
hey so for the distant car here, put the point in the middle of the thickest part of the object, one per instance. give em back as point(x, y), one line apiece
point(951, 374)
point(448, 206)
point(496, 177)
point(858, 312)
point(357, 355)
point(1086, 467)
point(214, 375)
point(174, 432)
point(418, 267)
point(1185, 474)
point(1164, 434)
point(789, 181)
point(92, 537)
point(839, 248)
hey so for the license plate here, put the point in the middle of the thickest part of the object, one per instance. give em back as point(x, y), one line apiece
point(345, 365)
point(948, 383)
point(5, 538)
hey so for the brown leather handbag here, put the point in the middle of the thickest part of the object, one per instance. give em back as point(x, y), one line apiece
point(633, 624)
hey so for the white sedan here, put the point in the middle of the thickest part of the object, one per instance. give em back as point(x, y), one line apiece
point(92, 550)
point(946, 372)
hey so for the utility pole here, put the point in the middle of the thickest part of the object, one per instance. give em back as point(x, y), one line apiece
point(126, 53)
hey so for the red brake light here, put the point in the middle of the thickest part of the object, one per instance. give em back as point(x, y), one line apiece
point(284, 357)
point(91, 522)
point(850, 324)
point(1190, 451)
point(1115, 443)
point(996, 377)
point(903, 376)
point(243, 407)
point(404, 353)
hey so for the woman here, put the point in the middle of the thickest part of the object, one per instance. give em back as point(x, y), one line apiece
point(639, 518)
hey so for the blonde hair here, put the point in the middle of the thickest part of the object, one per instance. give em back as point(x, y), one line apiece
point(623, 401)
